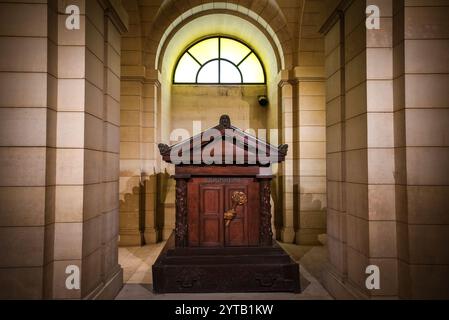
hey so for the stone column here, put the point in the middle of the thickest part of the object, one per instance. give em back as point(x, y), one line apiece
point(71, 207)
point(421, 122)
point(75, 166)
point(304, 172)
point(27, 139)
point(87, 147)
point(138, 164)
point(336, 272)
point(149, 154)
point(111, 147)
point(131, 182)
point(360, 153)
point(310, 177)
point(133, 176)
point(286, 169)
point(382, 222)
point(312, 200)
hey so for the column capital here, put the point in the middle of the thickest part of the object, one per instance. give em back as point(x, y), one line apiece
point(301, 74)
point(306, 73)
point(284, 77)
point(115, 11)
point(336, 15)
point(142, 74)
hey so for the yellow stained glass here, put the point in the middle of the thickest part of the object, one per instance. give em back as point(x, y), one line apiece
point(219, 60)
point(186, 70)
point(252, 70)
point(229, 73)
point(205, 50)
point(209, 73)
point(233, 51)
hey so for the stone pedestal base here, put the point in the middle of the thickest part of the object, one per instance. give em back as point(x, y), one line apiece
point(339, 288)
point(287, 235)
point(237, 269)
point(109, 289)
point(308, 237)
point(130, 239)
point(151, 236)
point(112, 287)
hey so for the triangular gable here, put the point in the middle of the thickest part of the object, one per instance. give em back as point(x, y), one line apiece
point(237, 147)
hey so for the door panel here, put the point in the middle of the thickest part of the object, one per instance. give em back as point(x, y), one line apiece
point(211, 232)
point(211, 197)
point(208, 199)
point(253, 215)
point(236, 234)
point(211, 215)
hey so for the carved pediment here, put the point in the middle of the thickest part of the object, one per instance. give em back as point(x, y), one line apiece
point(224, 144)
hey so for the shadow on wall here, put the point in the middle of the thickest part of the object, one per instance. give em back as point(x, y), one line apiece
point(305, 202)
point(163, 179)
point(309, 202)
point(142, 209)
point(310, 217)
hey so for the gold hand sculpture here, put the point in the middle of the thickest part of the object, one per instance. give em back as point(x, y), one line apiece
point(238, 199)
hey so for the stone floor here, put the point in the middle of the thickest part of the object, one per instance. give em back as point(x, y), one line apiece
point(137, 261)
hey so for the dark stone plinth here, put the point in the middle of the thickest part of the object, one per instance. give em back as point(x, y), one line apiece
point(238, 269)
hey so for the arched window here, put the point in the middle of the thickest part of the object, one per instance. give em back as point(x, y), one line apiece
point(219, 60)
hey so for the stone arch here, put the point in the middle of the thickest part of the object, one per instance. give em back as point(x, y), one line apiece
point(220, 24)
point(266, 15)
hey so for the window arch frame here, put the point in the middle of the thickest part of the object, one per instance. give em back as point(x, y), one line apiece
point(219, 58)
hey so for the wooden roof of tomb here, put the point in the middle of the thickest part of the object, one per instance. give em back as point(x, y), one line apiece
point(237, 148)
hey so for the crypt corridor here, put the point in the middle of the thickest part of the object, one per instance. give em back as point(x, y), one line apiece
point(365, 113)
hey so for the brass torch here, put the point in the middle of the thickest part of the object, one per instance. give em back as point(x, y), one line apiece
point(238, 199)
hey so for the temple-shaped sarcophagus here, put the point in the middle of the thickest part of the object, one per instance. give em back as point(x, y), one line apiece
point(223, 241)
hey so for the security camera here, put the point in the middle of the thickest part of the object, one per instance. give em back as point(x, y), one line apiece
point(263, 101)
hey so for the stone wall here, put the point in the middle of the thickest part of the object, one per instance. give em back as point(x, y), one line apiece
point(27, 139)
point(60, 149)
point(208, 103)
point(421, 135)
point(382, 162)
point(139, 112)
point(309, 93)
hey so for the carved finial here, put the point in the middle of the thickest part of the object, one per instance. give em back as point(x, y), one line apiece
point(225, 121)
point(283, 149)
point(163, 149)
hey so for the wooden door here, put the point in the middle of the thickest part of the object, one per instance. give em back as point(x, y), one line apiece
point(208, 199)
point(211, 215)
point(236, 234)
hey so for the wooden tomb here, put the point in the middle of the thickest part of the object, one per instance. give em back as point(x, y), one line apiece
point(223, 238)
